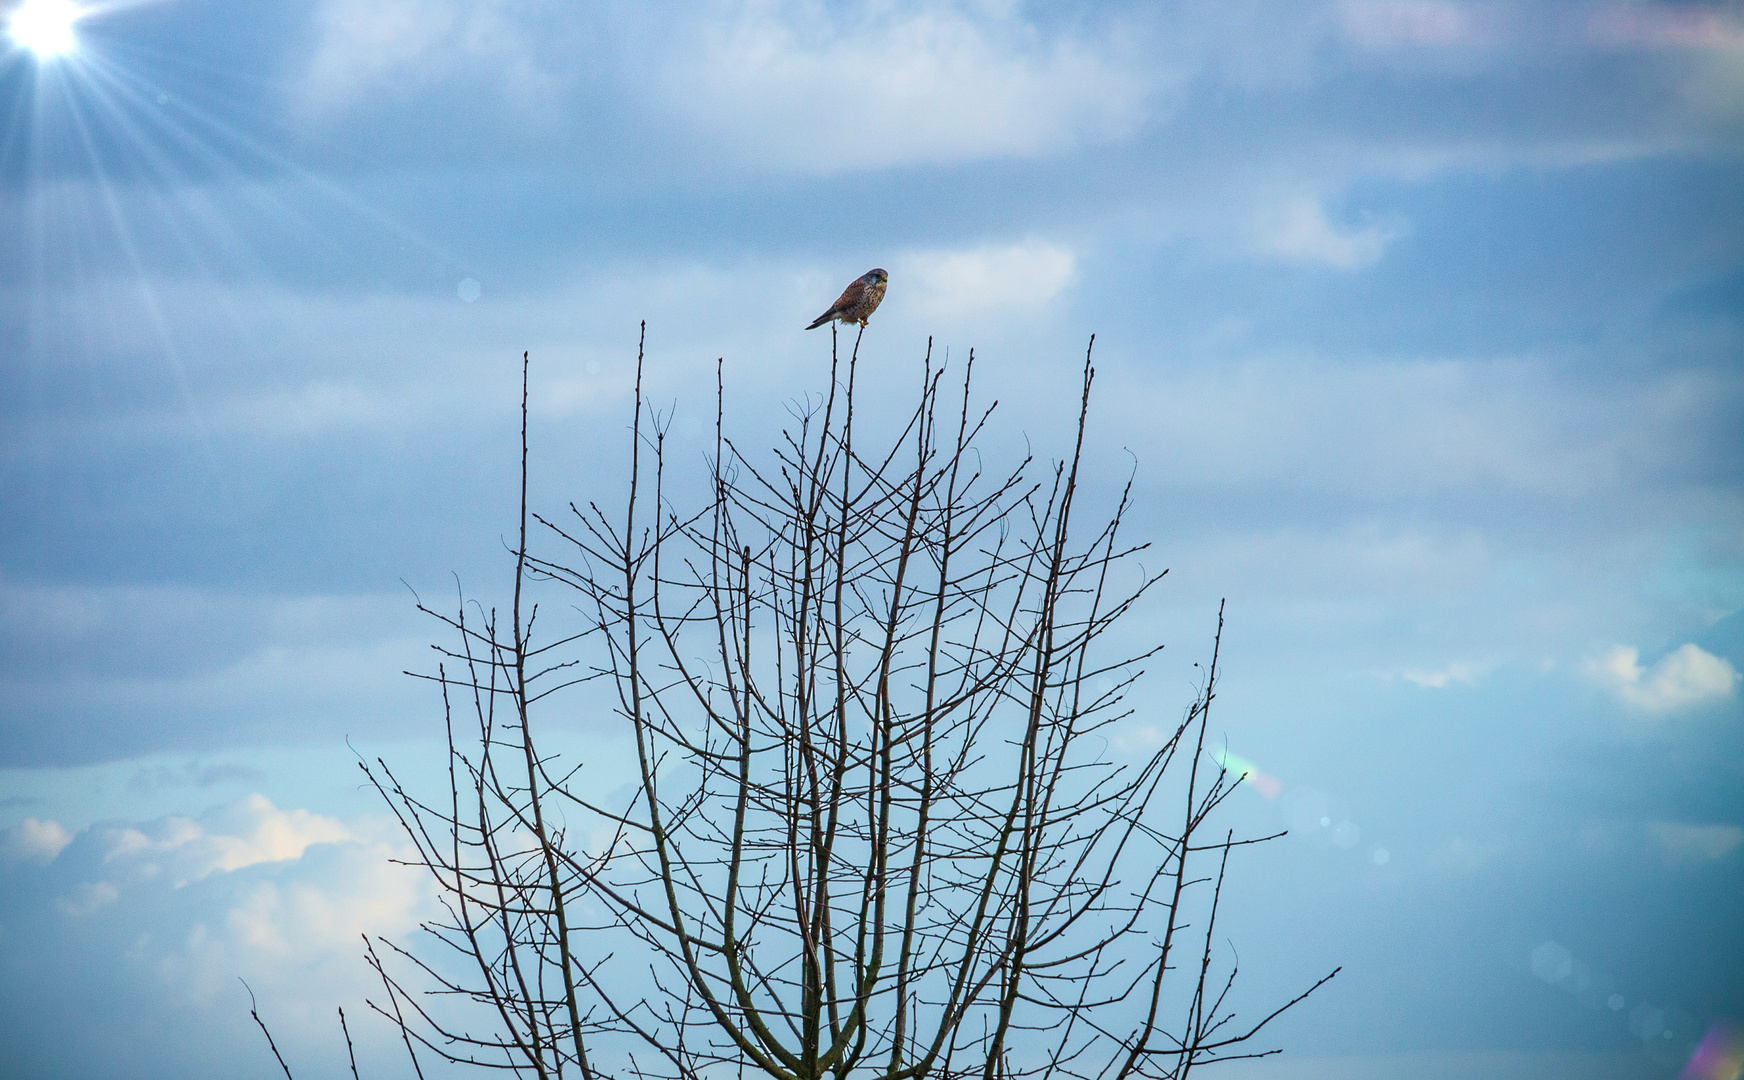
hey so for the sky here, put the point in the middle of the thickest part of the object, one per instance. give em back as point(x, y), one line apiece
point(1419, 327)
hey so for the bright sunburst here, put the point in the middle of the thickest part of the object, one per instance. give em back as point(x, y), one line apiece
point(45, 27)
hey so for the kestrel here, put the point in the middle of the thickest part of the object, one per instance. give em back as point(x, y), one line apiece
point(857, 302)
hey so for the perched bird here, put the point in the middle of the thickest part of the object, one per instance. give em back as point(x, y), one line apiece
point(857, 302)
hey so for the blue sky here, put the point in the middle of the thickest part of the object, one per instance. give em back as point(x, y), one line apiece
point(1422, 322)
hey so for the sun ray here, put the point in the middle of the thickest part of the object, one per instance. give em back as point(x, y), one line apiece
point(148, 294)
point(132, 196)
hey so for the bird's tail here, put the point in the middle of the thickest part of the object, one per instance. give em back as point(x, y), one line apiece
point(821, 319)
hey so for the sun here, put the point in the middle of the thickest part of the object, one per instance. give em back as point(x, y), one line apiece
point(45, 27)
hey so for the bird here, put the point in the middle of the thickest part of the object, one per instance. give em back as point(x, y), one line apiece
point(858, 301)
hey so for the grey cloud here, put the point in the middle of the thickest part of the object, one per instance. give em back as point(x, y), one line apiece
point(147, 781)
point(102, 672)
point(655, 93)
point(1435, 428)
point(172, 631)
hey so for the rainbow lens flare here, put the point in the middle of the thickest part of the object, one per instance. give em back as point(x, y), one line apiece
point(1266, 785)
point(1719, 1057)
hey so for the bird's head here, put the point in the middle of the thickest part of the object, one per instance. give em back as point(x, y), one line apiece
point(877, 275)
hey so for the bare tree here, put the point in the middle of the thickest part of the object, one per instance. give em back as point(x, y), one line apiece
point(874, 826)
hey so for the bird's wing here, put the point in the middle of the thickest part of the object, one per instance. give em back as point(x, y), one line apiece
point(850, 296)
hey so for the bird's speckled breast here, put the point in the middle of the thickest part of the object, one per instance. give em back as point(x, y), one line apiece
point(869, 302)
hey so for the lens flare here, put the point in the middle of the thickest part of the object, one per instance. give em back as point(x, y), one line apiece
point(1269, 786)
point(45, 27)
point(1719, 1057)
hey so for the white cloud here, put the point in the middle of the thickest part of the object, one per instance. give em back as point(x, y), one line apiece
point(1686, 676)
point(166, 914)
point(88, 897)
point(399, 47)
point(33, 840)
point(361, 43)
point(1016, 277)
point(310, 409)
point(1296, 229)
point(1459, 671)
point(795, 85)
point(1135, 739)
point(224, 839)
point(1392, 23)
point(1695, 843)
point(286, 918)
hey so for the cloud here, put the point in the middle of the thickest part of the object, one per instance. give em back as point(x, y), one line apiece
point(112, 861)
point(799, 86)
point(1010, 278)
point(165, 914)
point(1690, 26)
point(98, 671)
point(364, 43)
point(667, 91)
point(159, 778)
point(1421, 427)
point(1684, 677)
point(315, 408)
point(30, 839)
point(395, 48)
point(1459, 671)
point(159, 630)
point(1392, 23)
point(1135, 739)
point(1457, 854)
point(86, 898)
point(224, 839)
point(1297, 230)
point(1683, 843)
